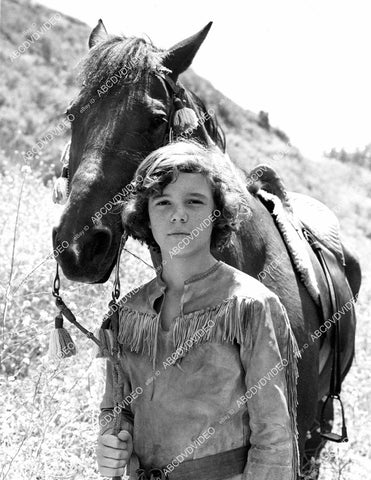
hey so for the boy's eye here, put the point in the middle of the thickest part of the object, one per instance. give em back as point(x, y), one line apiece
point(167, 202)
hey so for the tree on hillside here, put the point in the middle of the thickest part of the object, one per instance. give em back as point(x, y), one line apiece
point(360, 157)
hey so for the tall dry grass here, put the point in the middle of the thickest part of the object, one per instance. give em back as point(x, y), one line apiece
point(48, 417)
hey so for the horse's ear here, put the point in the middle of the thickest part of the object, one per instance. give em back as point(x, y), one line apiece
point(98, 34)
point(179, 57)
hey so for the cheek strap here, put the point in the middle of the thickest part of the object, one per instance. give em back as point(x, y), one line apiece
point(183, 120)
point(61, 185)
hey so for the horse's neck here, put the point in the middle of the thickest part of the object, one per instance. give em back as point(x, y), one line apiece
point(258, 241)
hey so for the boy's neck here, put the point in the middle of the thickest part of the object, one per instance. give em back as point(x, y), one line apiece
point(176, 271)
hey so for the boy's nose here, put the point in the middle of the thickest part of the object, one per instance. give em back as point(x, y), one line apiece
point(179, 216)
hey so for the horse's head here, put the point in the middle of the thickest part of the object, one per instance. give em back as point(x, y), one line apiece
point(125, 108)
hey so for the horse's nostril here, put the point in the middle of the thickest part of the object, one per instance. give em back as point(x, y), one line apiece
point(98, 245)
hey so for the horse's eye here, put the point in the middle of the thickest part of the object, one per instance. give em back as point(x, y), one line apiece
point(157, 121)
point(68, 112)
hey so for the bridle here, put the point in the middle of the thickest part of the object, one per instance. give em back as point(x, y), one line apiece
point(177, 124)
point(179, 118)
point(178, 102)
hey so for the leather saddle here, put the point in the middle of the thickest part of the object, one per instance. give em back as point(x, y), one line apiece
point(321, 230)
point(320, 233)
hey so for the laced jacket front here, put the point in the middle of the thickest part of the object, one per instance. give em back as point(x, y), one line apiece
point(223, 376)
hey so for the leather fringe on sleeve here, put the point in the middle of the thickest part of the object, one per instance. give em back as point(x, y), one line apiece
point(291, 374)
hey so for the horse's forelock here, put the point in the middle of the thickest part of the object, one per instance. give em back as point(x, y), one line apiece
point(141, 59)
point(136, 56)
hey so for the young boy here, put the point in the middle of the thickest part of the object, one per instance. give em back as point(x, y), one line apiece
point(209, 386)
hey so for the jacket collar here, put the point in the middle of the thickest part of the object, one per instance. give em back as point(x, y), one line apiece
point(193, 284)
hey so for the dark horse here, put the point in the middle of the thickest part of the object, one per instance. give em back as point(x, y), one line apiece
point(120, 115)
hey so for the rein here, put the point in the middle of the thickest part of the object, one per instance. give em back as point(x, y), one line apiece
point(182, 120)
point(61, 338)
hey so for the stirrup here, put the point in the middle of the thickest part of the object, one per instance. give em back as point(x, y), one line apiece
point(153, 474)
point(141, 474)
point(334, 437)
point(157, 474)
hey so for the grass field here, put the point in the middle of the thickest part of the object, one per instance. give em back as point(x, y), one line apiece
point(49, 410)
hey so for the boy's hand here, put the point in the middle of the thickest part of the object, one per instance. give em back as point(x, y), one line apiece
point(113, 453)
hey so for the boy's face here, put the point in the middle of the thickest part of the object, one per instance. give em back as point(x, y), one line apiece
point(179, 217)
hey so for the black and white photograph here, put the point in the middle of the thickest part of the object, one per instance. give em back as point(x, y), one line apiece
point(185, 236)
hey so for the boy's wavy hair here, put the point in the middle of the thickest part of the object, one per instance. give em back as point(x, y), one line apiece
point(163, 166)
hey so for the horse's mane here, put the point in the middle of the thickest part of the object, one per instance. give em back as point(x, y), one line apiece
point(138, 57)
point(211, 124)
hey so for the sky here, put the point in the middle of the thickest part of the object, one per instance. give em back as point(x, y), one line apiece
point(307, 63)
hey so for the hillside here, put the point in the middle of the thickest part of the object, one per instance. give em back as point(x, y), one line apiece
point(48, 410)
point(38, 82)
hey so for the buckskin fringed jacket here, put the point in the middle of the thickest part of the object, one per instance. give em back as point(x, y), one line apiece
point(224, 376)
